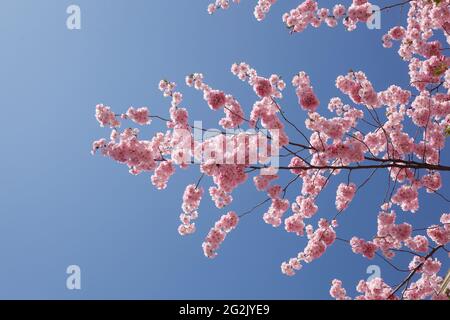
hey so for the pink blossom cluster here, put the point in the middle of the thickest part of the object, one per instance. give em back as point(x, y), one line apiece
point(425, 287)
point(407, 197)
point(390, 236)
point(278, 207)
point(140, 116)
point(262, 182)
point(220, 197)
point(263, 87)
point(266, 109)
point(191, 202)
point(138, 155)
point(306, 97)
point(441, 234)
point(162, 174)
point(359, 11)
point(337, 291)
point(336, 128)
point(309, 13)
point(178, 116)
point(318, 242)
point(305, 14)
point(262, 8)
point(374, 289)
point(423, 19)
point(428, 285)
point(105, 116)
point(216, 99)
point(344, 195)
point(220, 4)
point(303, 208)
point(218, 233)
point(225, 169)
point(365, 248)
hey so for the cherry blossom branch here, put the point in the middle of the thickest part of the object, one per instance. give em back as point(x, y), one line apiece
point(363, 167)
point(413, 272)
point(335, 145)
point(378, 255)
point(395, 5)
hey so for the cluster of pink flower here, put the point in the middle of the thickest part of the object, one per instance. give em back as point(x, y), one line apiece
point(306, 97)
point(262, 181)
point(264, 88)
point(225, 175)
point(391, 236)
point(303, 208)
point(407, 197)
point(305, 14)
point(105, 116)
point(344, 195)
point(359, 89)
point(267, 108)
point(278, 207)
point(216, 99)
point(375, 289)
point(162, 174)
point(308, 13)
point(178, 116)
point(220, 197)
point(217, 234)
point(337, 291)
point(365, 248)
point(428, 285)
point(220, 4)
point(140, 116)
point(139, 155)
point(318, 242)
point(262, 7)
point(441, 234)
point(191, 202)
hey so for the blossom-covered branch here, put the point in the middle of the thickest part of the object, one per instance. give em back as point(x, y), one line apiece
point(399, 131)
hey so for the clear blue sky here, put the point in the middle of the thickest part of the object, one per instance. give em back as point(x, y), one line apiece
point(60, 206)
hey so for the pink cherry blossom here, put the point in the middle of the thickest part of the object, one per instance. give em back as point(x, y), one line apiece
point(344, 195)
point(218, 233)
point(140, 116)
point(191, 202)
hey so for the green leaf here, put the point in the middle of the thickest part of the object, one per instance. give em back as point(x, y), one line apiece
point(437, 71)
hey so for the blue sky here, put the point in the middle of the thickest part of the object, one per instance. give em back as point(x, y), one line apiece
point(60, 206)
